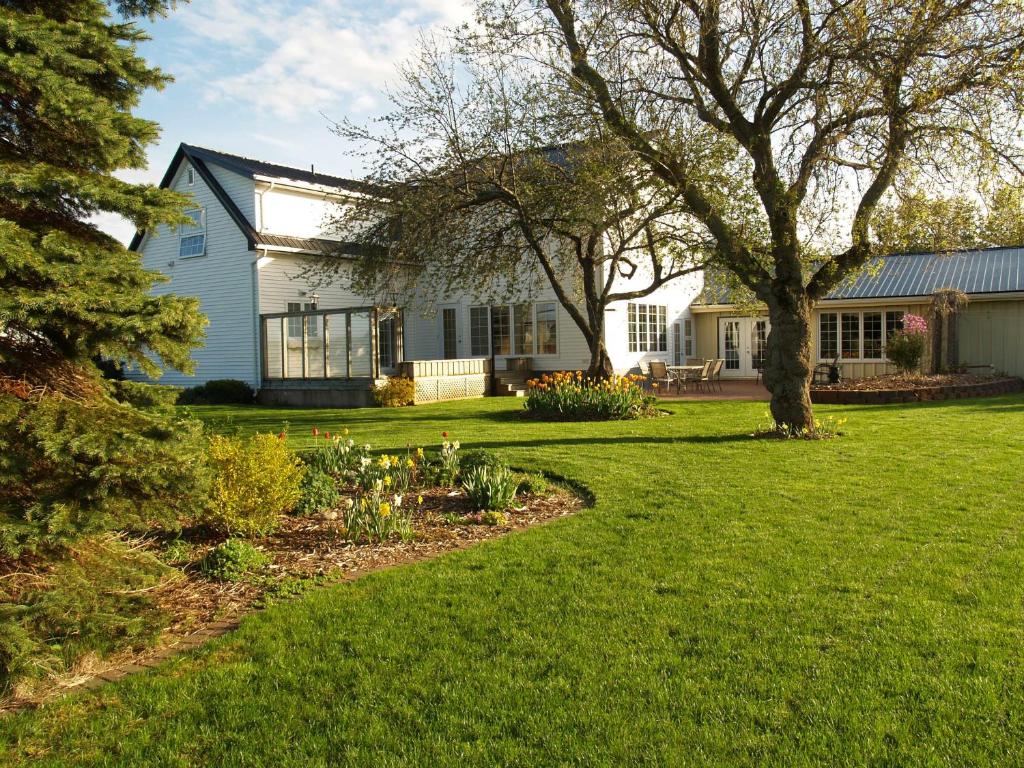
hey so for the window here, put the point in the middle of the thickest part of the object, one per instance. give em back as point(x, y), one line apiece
point(501, 330)
point(523, 328)
point(479, 331)
point(547, 329)
point(872, 335)
point(190, 176)
point(386, 341)
point(192, 235)
point(849, 347)
point(647, 328)
point(295, 323)
point(856, 335)
point(828, 336)
point(688, 349)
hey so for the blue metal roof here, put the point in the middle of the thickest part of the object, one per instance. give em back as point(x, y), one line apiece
point(903, 275)
point(992, 270)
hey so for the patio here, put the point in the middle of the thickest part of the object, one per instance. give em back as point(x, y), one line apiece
point(737, 389)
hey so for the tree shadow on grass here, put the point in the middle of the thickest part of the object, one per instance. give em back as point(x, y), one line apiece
point(612, 440)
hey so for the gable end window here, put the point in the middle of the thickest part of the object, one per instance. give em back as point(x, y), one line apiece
point(192, 234)
point(190, 176)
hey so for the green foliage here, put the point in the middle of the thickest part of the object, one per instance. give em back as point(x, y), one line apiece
point(319, 493)
point(906, 350)
point(66, 288)
point(141, 395)
point(378, 515)
point(94, 598)
point(575, 397)
point(491, 488)
point(177, 552)
point(256, 481)
point(218, 392)
point(335, 456)
point(395, 392)
point(233, 560)
point(479, 457)
point(70, 468)
point(533, 484)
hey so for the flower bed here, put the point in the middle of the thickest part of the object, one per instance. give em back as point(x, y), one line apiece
point(908, 388)
point(571, 396)
point(376, 511)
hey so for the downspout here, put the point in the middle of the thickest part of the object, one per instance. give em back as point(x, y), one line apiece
point(258, 331)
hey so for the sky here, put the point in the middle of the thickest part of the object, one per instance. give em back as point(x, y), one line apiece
point(264, 78)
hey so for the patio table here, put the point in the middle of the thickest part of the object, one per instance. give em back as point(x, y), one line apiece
point(680, 372)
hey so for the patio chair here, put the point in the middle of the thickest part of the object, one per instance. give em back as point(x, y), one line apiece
point(826, 373)
point(695, 361)
point(660, 375)
point(704, 377)
point(716, 373)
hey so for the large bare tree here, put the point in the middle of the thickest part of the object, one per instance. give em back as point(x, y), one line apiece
point(828, 103)
point(492, 176)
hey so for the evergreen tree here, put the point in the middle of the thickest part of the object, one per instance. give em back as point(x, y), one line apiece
point(72, 459)
point(69, 77)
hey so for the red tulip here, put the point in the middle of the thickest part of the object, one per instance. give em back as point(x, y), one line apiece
point(327, 435)
point(280, 435)
point(444, 435)
point(315, 431)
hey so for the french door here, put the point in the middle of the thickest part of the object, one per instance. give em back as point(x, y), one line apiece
point(742, 343)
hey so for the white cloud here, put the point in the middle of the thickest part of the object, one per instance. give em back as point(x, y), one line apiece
point(328, 55)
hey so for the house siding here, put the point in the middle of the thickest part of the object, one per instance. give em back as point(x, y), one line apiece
point(222, 280)
point(992, 333)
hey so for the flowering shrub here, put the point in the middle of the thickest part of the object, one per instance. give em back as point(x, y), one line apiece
point(256, 481)
point(396, 391)
point(491, 488)
point(905, 348)
point(573, 396)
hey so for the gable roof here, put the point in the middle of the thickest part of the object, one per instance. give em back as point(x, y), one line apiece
point(199, 157)
point(911, 275)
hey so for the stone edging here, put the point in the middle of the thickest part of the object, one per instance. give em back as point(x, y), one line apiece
point(1003, 386)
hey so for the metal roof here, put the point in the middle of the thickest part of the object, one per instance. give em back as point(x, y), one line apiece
point(907, 275)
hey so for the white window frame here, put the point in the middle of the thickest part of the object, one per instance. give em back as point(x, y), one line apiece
point(839, 312)
point(186, 231)
point(311, 328)
point(689, 342)
point(488, 340)
point(640, 338)
point(536, 330)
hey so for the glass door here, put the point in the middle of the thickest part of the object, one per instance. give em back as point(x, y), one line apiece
point(758, 344)
point(449, 333)
point(731, 351)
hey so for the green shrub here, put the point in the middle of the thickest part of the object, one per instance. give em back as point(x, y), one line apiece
point(319, 493)
point(177, 552)
point(93, 598)
point(233, 560)
point(575, 397)
point(479, 458)
point(218, 392)
point(490, 489)
point(533, 484)
point(142, 395)
point(396, 391)
point(70, 468)
point(256, 480)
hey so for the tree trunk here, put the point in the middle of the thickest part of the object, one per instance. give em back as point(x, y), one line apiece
point(600, 363)
point(787, 370)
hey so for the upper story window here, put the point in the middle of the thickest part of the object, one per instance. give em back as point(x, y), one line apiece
point(192, 234)
point(648, 331)
point(190, 176)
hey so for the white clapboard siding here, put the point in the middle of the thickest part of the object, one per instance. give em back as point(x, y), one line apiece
point(222, 280)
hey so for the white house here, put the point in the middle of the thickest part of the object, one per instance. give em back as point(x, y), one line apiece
point(256, 226)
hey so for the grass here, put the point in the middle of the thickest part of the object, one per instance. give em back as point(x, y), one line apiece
point(726, 602)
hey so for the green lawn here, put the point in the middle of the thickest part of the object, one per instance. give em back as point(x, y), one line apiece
point(725, 602)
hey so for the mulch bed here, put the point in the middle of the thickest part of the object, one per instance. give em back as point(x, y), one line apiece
point(303, 551)
point(905, 388)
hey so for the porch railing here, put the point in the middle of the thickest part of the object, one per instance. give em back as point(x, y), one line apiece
point(324, 343)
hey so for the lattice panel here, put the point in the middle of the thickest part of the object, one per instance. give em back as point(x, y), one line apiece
point(434, 388)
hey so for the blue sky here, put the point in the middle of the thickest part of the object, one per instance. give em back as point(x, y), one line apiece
point(252, 77)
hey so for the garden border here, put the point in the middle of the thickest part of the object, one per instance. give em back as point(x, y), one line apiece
point(1002, 386)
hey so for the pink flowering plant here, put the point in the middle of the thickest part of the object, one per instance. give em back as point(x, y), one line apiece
point(905, 347)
